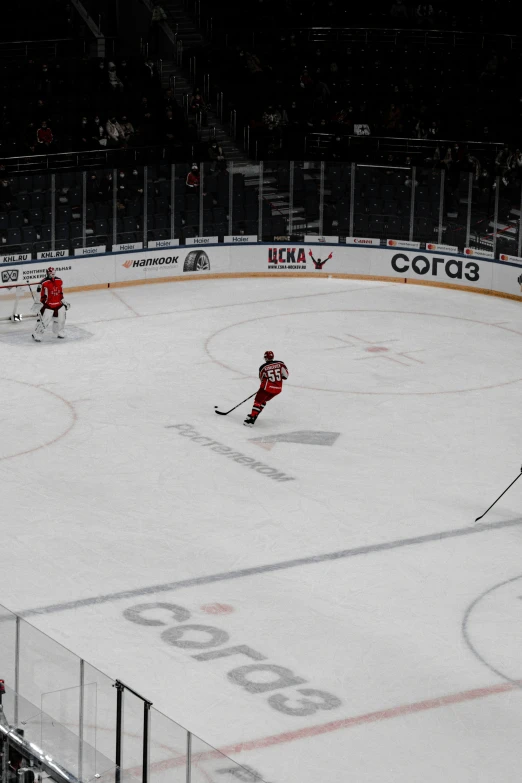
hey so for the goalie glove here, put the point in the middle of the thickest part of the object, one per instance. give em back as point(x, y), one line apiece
point(36, 307)
point(65, 304)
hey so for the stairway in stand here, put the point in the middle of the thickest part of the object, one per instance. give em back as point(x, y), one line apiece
point(184, 30)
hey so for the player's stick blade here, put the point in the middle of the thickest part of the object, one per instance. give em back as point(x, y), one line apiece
point(221, 413)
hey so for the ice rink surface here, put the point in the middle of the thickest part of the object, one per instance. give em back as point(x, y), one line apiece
point(334, 543)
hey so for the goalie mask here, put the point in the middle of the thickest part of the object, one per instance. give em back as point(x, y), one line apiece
point(51, 271)
point(269, 356)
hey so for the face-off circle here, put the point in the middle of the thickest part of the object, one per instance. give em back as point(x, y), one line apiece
point(32, 418)
point(377, 352)
point(493, 631)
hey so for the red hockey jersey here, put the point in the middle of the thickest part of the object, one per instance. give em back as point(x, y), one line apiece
point(272, 374)
point(51, 294)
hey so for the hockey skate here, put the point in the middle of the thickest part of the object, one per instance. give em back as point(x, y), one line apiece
point(249, 421)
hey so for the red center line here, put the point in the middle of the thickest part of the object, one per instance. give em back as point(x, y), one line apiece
point(343, 723)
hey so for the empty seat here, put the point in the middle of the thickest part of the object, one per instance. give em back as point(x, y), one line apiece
point(375, 207)
point(160, 222)
point(14, 236)
point(35, 217)
point(23, 201)
point(129, 224)
point(102, 211)
point(15, 218)
point(62, 231)
point(161, 206)
point(389, 208)
point(127, 238)
point(29, 234)
point(40, 182)
point(23, 184)
point(37, 200)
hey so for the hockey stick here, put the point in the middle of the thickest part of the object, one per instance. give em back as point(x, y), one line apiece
point(225, 413)
point(496, 501)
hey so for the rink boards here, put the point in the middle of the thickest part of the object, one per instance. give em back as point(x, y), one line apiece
point(468, 271)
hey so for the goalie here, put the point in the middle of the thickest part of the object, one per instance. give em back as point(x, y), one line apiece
point(51, 307)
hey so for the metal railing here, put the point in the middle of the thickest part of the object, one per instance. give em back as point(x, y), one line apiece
point(264, 32)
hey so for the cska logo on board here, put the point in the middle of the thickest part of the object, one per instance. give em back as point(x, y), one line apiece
point(281, 258)
point(287, 258)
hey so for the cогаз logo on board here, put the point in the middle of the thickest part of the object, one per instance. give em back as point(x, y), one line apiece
point(436, 266)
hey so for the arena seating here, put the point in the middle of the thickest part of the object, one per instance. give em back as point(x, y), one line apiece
point(26, 220)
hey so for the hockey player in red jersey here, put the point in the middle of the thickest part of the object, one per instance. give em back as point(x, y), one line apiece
point(271, 374)
point(52, 306)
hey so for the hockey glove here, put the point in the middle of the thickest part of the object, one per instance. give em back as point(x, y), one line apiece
point(65, 304)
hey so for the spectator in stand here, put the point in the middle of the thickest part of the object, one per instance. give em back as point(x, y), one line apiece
point(419, 129)
point(115, 83)
point(502, 164)
point(169, 99)
point(433, 130)
point(198, 106)
point(170, 128)
point(135, 184)
point(253, 63)
point(98, 133)
point(100, 76)
point(94, 189)
point(393, 119)
point(106, 187)
point(151, 79)
point(305, 80)
point(271, 119)
point(293, 113)
point(44, 135)
point(127, 128)
point(473, 166)
point(44, 81)
point(399, 10)
point(81, 136)
point(158, 17)
point(124, 192)
point(217, 158)
point(424, 14)
point(124, 74)
point(115, 133)
point(193, 179)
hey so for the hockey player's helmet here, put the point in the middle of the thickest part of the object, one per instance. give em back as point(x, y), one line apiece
point(51, 271)
point(269, 355)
